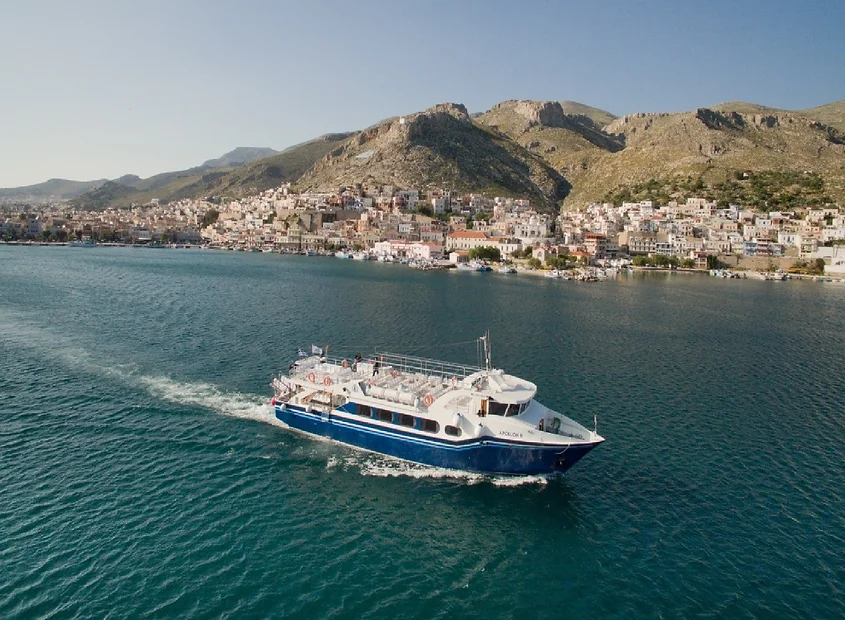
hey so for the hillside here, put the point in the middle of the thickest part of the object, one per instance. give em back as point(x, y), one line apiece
point(215, 180)
point(713, 145)
point(441, 147)
point(599, 117)
point(58, 189)
point(832, 114)
point(555, 153)
point(102, 197)
point(239, 156)
point(563, 140)
point(287, 166)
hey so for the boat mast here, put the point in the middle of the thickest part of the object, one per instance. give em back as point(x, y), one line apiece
point(488, 356)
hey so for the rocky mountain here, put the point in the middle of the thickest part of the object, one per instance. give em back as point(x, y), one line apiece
point(545, 129)
point(711, 144)
point(442, 147)
point(557, 153)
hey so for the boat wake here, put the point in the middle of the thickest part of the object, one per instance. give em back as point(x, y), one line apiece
point(252, 407)
point(381, 466)
point(208, 396)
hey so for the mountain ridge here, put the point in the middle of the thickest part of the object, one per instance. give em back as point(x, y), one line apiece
point(64, 189)
point(557, 153)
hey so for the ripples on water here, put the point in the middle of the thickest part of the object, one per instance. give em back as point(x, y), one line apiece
point(143, 472)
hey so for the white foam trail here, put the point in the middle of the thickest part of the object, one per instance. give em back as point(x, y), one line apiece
point(232, 404)
point(17, 329)
point(382, 466)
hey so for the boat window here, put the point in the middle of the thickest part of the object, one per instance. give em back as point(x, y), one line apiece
point(406, 420)
point(494, 408)
point(515, 409)
point(364, 411)
point(384, 416)
point(454, 431)
point(429, 426)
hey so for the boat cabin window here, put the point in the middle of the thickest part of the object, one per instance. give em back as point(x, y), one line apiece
point(384, 415)
point(364, 411)
point(429, 426)
point(494, 408)
point(406, 420)
point(516, 409)
point(454, 431)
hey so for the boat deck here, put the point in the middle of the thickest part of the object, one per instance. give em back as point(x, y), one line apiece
point(397, 378)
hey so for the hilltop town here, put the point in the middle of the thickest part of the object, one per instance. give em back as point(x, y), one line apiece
point(443, 224)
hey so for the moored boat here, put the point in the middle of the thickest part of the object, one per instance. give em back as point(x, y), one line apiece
point(432, 412)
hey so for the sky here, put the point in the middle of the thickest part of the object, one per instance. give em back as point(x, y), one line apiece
point(92, 89)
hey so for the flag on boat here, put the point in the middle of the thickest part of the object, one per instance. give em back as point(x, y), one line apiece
point(302, 353)
point(315, 350)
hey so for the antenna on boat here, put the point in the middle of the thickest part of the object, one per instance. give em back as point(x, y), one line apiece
point(488, 356)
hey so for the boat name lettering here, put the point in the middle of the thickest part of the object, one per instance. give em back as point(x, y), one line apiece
point(510, 434)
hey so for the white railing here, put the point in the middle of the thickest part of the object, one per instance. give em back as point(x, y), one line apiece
point(425, 366)
point(401, 364)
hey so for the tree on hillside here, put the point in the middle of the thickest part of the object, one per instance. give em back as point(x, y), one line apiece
point(210, 217)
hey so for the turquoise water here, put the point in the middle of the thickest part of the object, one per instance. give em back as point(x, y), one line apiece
point(142, 473)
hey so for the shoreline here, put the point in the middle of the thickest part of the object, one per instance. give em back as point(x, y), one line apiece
point(740, 275)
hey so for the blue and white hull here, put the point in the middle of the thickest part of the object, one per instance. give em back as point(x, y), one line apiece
point(478, 454)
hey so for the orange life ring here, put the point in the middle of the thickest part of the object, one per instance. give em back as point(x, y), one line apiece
point(345, 364)
point(312, 377)
point(327, 380)
point(394, 373)
point(428, 400)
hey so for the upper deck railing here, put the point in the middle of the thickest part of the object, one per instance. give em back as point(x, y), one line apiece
point(405, 364)
point(422, 365)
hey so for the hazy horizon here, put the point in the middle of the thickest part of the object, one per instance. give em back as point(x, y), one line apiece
point(101, 89)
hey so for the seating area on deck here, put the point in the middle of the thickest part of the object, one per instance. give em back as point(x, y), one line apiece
point(396, 378)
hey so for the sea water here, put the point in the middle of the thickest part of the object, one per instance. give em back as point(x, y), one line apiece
point(142, 472)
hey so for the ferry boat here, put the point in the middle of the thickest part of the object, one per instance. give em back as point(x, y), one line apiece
point(427, 411)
